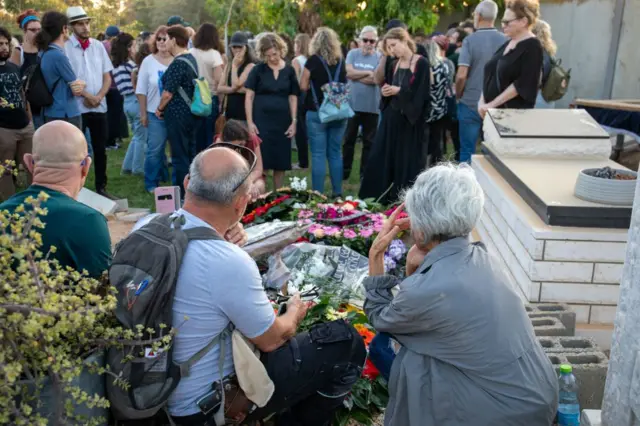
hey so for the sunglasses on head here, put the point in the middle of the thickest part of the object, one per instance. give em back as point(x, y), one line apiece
point(368, 40)
point(245, 152)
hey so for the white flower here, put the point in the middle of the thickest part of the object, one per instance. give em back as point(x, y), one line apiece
point(349, 198)
point(299, 206)
point(298, 184)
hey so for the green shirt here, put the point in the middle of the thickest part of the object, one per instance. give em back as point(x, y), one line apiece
point(79, 233)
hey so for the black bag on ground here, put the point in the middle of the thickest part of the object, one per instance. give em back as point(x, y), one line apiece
point(145, 270)
point(35, 87)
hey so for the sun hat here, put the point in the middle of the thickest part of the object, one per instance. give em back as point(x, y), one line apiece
point(76, 13)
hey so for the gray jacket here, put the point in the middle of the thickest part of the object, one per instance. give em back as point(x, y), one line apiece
point(469, 355)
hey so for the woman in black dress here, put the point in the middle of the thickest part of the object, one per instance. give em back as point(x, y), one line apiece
point(512, 75)
point(397, 155)
point(26, 55)
point(271, 105)
point(239, 65)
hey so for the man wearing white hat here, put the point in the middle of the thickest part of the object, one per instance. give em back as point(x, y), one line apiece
point(90, 61)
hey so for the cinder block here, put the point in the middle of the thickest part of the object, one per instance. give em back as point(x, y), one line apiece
point(560, 311)
point(548, 326)
point(568, 344)
point(590, 370)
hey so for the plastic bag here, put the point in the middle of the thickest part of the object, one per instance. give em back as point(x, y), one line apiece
point(268, 238)
point(296, 265)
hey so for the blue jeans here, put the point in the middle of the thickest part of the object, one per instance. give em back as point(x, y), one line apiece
point(181, 131)
point(470, 125)
point(155, 159)
point(326, 144)
point(206, 129)
point(382, 354)
point(134, 158)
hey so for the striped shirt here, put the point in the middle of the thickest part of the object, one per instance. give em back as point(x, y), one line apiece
point(122, 78)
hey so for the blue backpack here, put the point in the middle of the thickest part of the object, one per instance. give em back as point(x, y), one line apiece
point(335, 105)
point(201, 104)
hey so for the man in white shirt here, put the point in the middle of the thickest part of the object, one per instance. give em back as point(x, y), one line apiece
point(219, 284)
point(90, 61)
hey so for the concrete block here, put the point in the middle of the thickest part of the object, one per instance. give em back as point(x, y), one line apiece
point(591, 418)
point(122, 205)
point(585, 251)
point(582, 313)
point(610, 273)
point(580, 272)
point(568, 344)
point(590, 370)
point(563, 312)
point(104, 205)
point(597, 294)
point(548, 326)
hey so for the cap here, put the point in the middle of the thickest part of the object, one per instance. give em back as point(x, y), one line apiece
point(395, 23)
point(112, 31)
point(239, 38)
point(177, 20)
point(566, 368)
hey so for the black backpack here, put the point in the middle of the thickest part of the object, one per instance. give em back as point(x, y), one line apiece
point(35, 87)
point(145, 270)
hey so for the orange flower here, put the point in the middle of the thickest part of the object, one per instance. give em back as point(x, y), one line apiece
point(367, 335)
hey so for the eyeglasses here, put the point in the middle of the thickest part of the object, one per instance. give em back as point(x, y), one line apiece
point(506, 22)
point(245, 152)
point(369, 40)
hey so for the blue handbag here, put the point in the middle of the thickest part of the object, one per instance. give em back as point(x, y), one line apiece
point(335, 105)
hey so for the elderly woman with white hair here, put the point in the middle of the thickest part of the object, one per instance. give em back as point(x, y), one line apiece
point(454, 341)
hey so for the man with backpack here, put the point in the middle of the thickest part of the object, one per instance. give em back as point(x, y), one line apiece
point(16, 127)
point(218, 287)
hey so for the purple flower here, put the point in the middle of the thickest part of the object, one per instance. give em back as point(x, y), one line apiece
point(389, 263)
point(396, 249)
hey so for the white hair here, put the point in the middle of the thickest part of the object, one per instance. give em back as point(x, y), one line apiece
point(218, 190)
point(445, 202)
point(368, 29)
point(487, 10)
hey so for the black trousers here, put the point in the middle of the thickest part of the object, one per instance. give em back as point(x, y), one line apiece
point(436, 140)
point(302, 140)
point(453, 127)
point(98, 129)
point(369, 123)
point(118, 125)
point(312, 374)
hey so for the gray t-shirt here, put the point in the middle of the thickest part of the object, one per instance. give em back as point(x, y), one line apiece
point(364, 97)
point(476, 51)
point(218, 283)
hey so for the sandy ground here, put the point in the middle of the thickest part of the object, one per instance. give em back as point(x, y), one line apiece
point(118, 230)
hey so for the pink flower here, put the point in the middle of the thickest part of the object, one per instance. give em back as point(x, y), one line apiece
point(306, 221)
point(349, 234)
point(313, 228)
point(366, 233)
point(378, 226)
point(331, 230)
point(305, 214)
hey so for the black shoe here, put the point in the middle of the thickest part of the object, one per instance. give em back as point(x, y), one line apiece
point(105, 194)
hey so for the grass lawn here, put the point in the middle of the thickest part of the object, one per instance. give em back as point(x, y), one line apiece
point(132, 187)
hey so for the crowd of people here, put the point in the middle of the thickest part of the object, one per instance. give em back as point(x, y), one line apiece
point(461, 353)
point(409, 95)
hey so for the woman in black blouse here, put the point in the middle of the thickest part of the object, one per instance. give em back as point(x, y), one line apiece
point(512, 75)
point(231, 85)
point(271, 105)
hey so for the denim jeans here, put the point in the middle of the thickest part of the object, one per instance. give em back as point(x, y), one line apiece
point(134, 158)
point(155, 159)
point(326, 144)
point(382, 354)
point(181, 132)
point(470, 126)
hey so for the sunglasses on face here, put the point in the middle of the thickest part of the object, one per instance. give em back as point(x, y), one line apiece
point(506, 22)
point(368, 40)
point(161, 39)
point(246, 153)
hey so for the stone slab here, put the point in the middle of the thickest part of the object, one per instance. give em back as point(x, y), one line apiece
point(102, 204)
point(561, 311)
point(591, 418)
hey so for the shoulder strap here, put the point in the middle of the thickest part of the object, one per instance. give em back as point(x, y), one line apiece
point(183, 59)
point(336, 77)
point(202, 233)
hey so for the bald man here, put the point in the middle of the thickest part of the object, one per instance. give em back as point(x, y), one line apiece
point(219, 284)
point(59, 164)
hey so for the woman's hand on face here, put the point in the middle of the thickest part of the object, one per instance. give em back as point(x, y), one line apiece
point(415, 257)
point(238, 57)
point(388, 233)
point(291, 131)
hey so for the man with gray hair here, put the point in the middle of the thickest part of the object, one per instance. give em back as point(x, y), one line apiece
point(476, 51)
point(219, 283)
point(59, 163)
point(365, 98)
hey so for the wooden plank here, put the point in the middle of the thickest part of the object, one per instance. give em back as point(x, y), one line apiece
point(621, 105)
